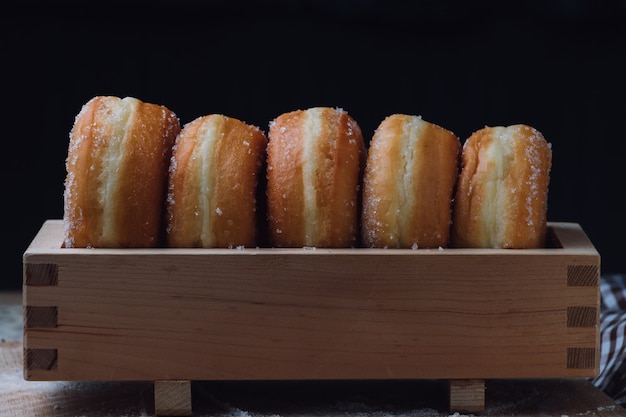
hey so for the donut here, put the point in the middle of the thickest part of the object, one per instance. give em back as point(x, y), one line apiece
point(315, 160)
point(116, 179)
point(502, 195)
point(408, 185)
point(213, 180)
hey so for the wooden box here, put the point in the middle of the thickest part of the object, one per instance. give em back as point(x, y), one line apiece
point(283, 314)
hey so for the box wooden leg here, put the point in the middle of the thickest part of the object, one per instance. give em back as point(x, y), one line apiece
point(172, 398)
point(467, 395)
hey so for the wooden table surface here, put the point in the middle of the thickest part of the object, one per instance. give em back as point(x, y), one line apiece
point(563, 397)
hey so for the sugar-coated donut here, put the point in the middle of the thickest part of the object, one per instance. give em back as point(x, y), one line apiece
point(116, 179)
point(314, 170)
point(213, 179)
point(408, 186)
point(501, 200)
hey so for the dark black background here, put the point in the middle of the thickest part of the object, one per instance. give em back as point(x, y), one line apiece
point(555, 65)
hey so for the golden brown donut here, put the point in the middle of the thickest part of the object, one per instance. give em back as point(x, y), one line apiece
point(502, 195)
point(116, 180)
point(213, 183)
point(408, 185)
point(314, 167)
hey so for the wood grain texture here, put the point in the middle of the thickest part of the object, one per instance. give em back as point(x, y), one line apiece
point(582, 316)
point(41, 274)
point(520, 398)
point(284, 314)
point(467, 395)
point(582, 357)
point(40, 316)
point(172, 398)
point(583, 275)
point(41, 359)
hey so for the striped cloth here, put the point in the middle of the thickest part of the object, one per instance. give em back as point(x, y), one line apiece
point(612, 376)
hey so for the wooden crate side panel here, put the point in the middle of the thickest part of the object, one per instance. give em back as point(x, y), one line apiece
point(207, 317)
